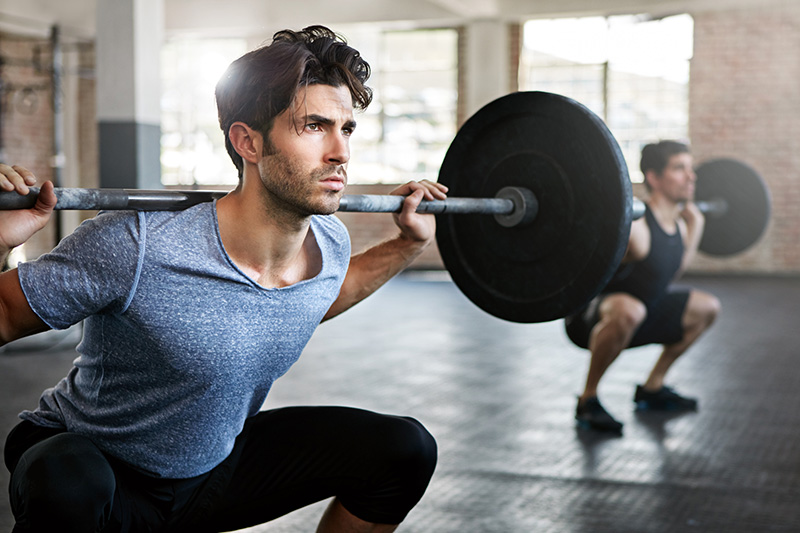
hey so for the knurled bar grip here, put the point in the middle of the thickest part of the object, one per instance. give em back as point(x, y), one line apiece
point(111, 199)
point(377, 203)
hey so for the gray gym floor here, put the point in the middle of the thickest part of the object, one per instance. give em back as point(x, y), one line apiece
point(500, 398)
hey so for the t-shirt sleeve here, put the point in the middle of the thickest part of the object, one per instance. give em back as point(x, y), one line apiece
point(93, 270)
point(337, 243)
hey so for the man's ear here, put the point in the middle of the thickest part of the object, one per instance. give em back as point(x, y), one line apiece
point(651, 177)
point(247, 142)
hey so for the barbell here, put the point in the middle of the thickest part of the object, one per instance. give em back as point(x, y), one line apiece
point(735, 201)
point(555, 181)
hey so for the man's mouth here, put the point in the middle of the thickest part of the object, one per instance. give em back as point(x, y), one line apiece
point(334, 183)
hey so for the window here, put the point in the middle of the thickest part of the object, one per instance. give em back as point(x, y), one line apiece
point(631, 70)
point(402, 136)
point(192, 145)
point(405, 133)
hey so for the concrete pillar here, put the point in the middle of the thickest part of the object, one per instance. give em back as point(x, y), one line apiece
point(129, 38)
point(487, 63)
point(71, 170)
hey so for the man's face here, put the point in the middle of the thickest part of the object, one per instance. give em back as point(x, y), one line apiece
point(677, 180)
point(304, 165)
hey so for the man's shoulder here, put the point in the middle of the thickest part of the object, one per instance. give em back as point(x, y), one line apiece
point(195, 221)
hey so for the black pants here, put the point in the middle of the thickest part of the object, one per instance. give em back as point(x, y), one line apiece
point(377, 465)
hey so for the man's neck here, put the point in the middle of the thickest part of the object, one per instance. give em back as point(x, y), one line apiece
point(270, 245)
point(666, 211)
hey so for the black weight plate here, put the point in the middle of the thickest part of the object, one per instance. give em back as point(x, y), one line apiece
point(748, 200)
point(566, 156)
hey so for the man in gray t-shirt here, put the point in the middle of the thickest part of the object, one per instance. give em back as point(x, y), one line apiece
point(190, 316)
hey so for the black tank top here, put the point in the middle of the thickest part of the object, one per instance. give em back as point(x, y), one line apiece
point(648, 279)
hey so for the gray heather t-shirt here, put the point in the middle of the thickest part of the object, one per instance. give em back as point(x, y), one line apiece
point(179, 345)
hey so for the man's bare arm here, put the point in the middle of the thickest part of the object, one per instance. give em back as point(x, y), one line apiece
point(694, 224)
point(17, 319)
point(374, 267)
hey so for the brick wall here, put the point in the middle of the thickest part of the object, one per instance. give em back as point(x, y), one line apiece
point(88, 145)
point(745, 103)
point(26, 115)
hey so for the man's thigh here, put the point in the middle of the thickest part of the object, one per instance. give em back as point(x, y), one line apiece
point(288, 458)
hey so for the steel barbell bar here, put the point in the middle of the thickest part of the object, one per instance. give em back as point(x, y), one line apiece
point(511, 206)
point(716, 207)
point(173, 200)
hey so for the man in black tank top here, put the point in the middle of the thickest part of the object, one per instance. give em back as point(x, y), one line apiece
point(638, 307)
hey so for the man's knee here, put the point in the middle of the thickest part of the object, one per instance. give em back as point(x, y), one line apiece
point(623, 314)
point(702, 310)
point(713, 309)
point(62, 484)
point(413, 451)
point(408, 455)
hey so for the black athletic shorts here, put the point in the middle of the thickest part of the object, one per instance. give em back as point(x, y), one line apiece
point(663, 325)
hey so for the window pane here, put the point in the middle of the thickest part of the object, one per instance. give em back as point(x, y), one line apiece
point(648, 82)
point(630, 70)
point(402, 136)
point(192, 145)
point(406, 131)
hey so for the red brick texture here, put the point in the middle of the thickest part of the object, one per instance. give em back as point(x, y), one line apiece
point(745, 103)
point(26, 115)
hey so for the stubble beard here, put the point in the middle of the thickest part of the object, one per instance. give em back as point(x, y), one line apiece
point(683, 197)
point(287, 183)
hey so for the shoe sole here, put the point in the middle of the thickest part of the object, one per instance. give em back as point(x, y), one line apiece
point(583, 424)
point(647, 406)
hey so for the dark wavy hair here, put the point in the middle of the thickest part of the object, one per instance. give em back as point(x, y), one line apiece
point(656, 156)
point(263, 83)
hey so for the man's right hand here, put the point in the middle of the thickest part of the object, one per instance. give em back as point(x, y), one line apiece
point(17, 226)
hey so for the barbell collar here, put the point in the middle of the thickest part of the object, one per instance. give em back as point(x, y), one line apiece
point(525, 207)
point(638, 209)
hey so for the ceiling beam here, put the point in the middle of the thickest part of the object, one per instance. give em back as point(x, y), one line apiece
point(469, 9)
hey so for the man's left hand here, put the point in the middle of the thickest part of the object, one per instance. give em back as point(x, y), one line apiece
point(692, 214)
point(417, 226)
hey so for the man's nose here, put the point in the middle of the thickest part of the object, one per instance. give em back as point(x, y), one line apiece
point(338, 150)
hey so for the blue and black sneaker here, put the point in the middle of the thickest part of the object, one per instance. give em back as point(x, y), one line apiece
point(664, 399)
point(591, 415)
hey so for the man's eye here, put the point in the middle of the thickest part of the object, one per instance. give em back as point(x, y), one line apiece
point(313, 126)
